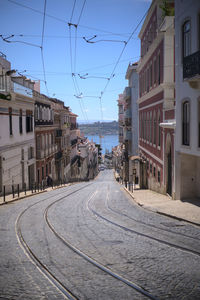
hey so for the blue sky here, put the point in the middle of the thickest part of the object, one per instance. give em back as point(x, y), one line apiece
point(95, 66)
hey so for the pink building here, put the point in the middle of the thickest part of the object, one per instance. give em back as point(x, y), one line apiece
point(157, 99)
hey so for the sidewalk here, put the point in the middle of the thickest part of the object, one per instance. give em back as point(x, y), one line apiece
point(9, 198)
point(182, 210)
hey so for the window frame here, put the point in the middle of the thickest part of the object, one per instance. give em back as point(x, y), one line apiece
point(10, 121)
point(159, 129)
point(186, 35)
point(186, 123)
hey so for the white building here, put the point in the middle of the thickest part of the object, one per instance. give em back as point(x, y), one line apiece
point(17, 143)
point(133, 84)
point(88, 159)
point(187, 56)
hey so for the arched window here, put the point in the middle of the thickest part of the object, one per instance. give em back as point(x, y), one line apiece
point(186, 123)
point(154, 128)
point(186, 38)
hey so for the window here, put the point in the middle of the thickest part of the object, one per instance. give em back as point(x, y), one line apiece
point(159, 129)
point(49, 167)
point(154, 171)
point(154, 71)
point(42, 173)
point(150, 128)
point(29, 121)
point(46, 169)
point(186, 39)
point(158, 175)
point(20, 122)
point(148, 80)
point(159, 68)
point(10, 121)
point(38, 175)
point(186, 124)
point(154, 128)
point(150, 76)
point(150, 168)
point(30, 152)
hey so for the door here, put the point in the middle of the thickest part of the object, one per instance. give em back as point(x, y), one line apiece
point(169, 175)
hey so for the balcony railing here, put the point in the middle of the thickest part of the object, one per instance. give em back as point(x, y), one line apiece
point(127, 113)
point(128, 135)
point(191, 65)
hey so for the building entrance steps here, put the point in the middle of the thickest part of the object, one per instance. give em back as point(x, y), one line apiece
point(184, 210)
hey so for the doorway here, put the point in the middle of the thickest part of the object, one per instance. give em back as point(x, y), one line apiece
point(169, 172)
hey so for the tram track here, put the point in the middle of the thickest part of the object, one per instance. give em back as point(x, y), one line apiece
point(51, 277)
point(181, 248)
point(33, 257)
point(94, 262)
point(147, 224)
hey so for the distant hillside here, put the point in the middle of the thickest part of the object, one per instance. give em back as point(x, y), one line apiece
point(97, 128)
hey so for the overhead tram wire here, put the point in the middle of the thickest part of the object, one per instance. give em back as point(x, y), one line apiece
point(73, 61)
point(62, 20)
point(42, 42)
point(118, 60)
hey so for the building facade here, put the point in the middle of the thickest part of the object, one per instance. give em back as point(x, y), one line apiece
point(17, 140)
point(62, 139)
point(157, 99)
point(187, 53)
point(131, 121)
point(46, 147)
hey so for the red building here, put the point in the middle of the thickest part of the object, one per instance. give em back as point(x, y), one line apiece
point(157, 99)
point(45, 138)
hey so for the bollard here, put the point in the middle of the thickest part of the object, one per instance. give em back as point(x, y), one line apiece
point(18, 190)
point(4, 193)
point(38, 187)
point(13, 192)
point(32, 188)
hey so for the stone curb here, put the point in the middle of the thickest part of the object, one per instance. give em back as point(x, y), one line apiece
point(160, 212)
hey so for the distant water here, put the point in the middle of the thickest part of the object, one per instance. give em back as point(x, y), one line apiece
point(107, 142)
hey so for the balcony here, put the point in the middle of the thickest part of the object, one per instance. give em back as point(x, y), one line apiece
point(191, 69)
point(127, 113)
point(127, 93)
point(128, 135)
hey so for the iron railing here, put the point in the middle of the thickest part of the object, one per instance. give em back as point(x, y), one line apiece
point(191, 65)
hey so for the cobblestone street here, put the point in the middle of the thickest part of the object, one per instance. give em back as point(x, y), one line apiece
point(92, 241)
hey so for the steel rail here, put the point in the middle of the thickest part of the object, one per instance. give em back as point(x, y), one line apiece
point(149, 225)
point(34, 259)
point(94, 262)
point(181, 248)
